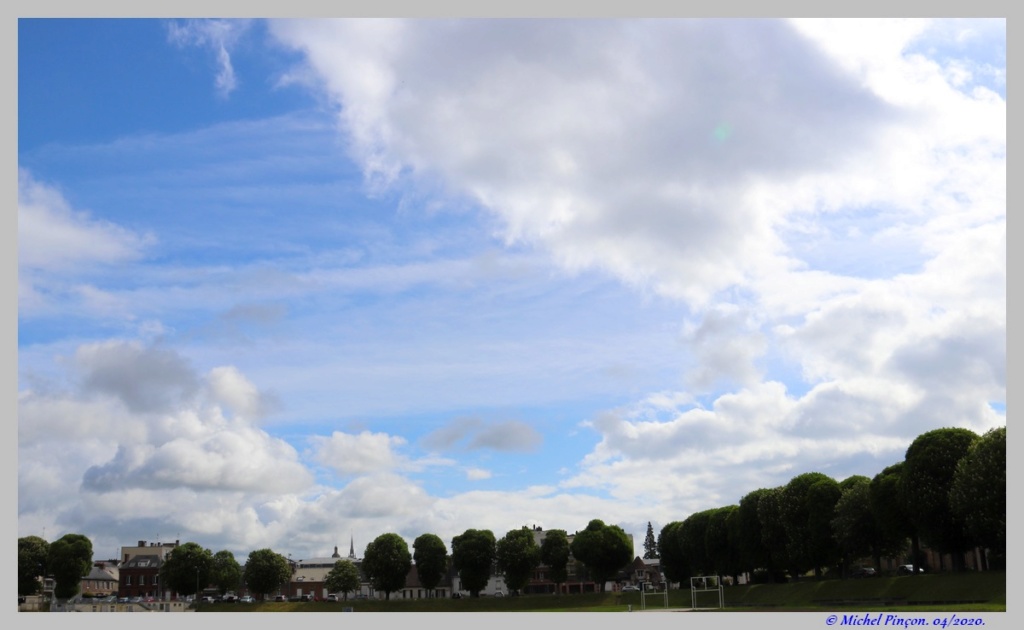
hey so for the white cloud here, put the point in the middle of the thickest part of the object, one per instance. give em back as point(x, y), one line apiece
point(477, 474)
point(217, 35)
point(359, 454)
point(52, 236)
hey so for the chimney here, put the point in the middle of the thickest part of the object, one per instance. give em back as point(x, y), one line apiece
point(142, 543)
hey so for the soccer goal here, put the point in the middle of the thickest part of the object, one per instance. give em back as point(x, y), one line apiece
point(700, 586)
point(647, 589)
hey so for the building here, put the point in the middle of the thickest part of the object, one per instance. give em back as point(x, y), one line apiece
point(139, 572)
point(103, 579)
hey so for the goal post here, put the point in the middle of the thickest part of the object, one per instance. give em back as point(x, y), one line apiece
point(648, 589)
point(706, 584)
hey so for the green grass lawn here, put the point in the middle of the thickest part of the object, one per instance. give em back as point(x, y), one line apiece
point(921, 593)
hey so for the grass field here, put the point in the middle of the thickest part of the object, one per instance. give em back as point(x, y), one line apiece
point(920, 593)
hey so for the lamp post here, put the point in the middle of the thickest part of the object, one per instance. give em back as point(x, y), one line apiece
point(197, 589)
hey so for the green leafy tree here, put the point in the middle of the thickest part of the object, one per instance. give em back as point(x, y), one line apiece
point(925, 484)
point(890, 514)
point(753, 553)
point(343, 578)
point(650, 544)
point(69, 558)
point(554, 553)
point(518, 555)
point(32, 555)
point(387, 562)
point(773, 531)
point(808, 507)
point(854, 526)
point(978, 493)
point(673, 559)
point(186, 568)
point(225, 572)
point(719, 545)
point(472, 556)
point(604, 549)
point(265, 571)
point(431, 558)
point(693, 539)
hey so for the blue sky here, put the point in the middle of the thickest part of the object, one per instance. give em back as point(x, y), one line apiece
point(286, 282)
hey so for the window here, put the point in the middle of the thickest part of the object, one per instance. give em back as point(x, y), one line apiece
point(128, 580)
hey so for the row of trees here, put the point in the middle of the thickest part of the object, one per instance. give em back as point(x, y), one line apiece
point(949, 492)
point(67, 559)
point(603, 549)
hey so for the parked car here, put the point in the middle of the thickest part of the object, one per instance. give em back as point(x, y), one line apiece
point(333, 597)
point(246, 599)
point(908, 569)
point(456, 595)
point(863, 572)
point(280, 598)
point(631, 587)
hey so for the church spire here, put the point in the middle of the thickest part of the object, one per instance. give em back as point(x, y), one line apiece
point(352, 548)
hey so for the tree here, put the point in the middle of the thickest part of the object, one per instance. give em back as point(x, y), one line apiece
point(773, 531)
point(693, 541)
point(472, 556)
point(604, 549)
point(753, 552)
point(187, 569)
point(518, 555)
point(387, 562)
point(265, 571)
point(927, 479)
point(225, 572)
point(886, 506)
point(343, 578)
point(431, 558)
point(554, 553)
point(854, 526)
point(978, 493)
point(32, 555)
point(69, 558)
point(673, 560)
point(719, 545)
point(650, 544)
point(808, 507)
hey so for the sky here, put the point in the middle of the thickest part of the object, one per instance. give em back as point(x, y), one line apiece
point(298, 283)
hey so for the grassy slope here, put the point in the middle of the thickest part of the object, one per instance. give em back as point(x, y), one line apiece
point(964, 591)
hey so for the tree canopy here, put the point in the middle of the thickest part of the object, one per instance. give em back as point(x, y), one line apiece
point(554, 553)
point(266, 571)
point(431, 558)
point(808, 507)
point(32, 555)
point(68, 560)
point(186, 568)
point(225, 572)
point(518, 555)
point(343, 578)
point(386, 563)
point(604, 549)
point(925, 484)
point(472, 555)
point(978, 493)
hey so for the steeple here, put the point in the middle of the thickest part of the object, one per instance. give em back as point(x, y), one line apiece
point(352, 548)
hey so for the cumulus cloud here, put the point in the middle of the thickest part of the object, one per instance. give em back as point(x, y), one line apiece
point(142, 420)
point(618, 145)
point(362, 453)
